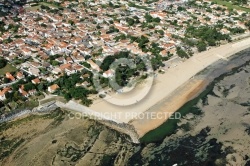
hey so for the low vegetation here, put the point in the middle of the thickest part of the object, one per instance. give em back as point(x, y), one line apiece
point(9, 144)
point(7, 68)
point(235, 5)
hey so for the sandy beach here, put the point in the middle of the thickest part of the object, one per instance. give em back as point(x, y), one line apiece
point(165, 85)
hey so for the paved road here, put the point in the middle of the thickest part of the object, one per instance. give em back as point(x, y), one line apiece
point(8, 84)
point(44, 108)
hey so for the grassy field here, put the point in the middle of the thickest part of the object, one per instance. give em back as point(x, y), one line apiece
point(38, 6)
point(33, 8)
point(229, 5)
point(29, 104)
point(7, 68)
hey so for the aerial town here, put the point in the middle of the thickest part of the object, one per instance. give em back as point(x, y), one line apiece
point(43, 43)
point(124, 82)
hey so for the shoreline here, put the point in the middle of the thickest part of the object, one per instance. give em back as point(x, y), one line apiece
point(209, 76)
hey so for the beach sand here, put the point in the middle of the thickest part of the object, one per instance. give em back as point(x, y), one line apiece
point(164, 109)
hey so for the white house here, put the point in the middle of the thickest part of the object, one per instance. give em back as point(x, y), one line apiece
point(2, 96)
point(53, 88)
point(108, 73)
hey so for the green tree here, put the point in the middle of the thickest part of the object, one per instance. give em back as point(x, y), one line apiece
point(67, 96)
point(157, 19)
point(87, 102)
point(211, 42)
point(41, 87)
point(71, 22)
point(55, 63)
point(3, 63)
point(9, 96)
point(201, 46)
point(6, 80)
point(181, 53)
point(29, 86)
point(130, 21)
point(248, 24)
point(148, 17)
